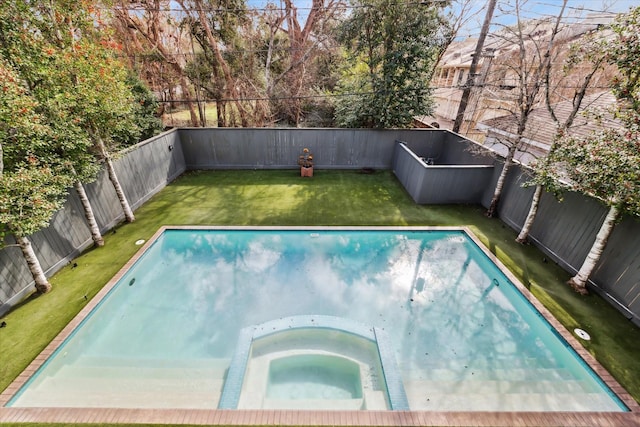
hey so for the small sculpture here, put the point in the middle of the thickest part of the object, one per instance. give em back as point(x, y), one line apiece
point(306, 163)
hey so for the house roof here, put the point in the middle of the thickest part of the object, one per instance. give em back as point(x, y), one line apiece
point(595, 113)
point(460, 52)
point(542, 129)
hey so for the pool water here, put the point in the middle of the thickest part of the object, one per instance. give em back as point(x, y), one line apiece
point(464, 338)
point(314, 376)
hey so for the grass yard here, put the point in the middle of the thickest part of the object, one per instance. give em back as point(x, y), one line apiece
point(183, 117)
point(329, 198)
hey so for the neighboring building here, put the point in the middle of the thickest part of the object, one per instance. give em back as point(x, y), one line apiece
point(594, 113)
point(449, 80)
point(497, 79)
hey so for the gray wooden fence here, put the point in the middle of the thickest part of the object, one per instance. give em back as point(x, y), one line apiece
point(457, 174)
point(235, 148)
point(566, 230)
point(430, 182)
point(143, 171)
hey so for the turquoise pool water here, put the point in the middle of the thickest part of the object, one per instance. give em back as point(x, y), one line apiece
point(313, 376)
point(464, 337)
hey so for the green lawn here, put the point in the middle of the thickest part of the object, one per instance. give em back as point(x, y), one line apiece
point(329, 198)
point(183, 117)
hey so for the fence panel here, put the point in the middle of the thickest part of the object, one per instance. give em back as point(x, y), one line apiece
point(142, 171)
point(436, 183)
point(280, 148)
point(565, 230)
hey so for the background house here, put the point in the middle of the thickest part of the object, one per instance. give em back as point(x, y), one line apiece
point(498, 77)
point(594, 113)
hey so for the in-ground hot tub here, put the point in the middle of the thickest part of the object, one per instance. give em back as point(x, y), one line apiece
point(313, 362)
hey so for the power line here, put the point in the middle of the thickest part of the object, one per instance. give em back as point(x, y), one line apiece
point(344, 6)
point(325, 96)
point(340, 6)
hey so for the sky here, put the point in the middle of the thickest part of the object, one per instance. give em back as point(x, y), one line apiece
point(504, 13)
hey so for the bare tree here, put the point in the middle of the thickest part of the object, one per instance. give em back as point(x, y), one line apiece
point(296, 48)
point(149, 32)
point(528, 63)
point(457, 15)
point(200, 14)
point(584, 65)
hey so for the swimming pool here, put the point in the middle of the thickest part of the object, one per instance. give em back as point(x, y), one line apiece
point(462, 335)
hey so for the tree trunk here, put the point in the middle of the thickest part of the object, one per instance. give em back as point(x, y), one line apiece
point(126, 208)
point(42, 284)
point(227, 74)
point(220, 113)
point(192, 111)
point(113, 177)
point(531, 216)
point(88, 214)
point(579, 281)
point(493, 207)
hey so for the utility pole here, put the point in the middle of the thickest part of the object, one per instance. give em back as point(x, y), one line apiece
point(474, 64)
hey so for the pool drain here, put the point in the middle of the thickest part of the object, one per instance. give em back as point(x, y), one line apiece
point(582, 334)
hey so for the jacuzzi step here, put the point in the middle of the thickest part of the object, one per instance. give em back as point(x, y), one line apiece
point(315, 404)
point(374, 400)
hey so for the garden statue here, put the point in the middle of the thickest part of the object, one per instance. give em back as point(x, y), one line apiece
point(306, 163)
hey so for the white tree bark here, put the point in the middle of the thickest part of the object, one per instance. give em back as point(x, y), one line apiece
point(579, 281)
point(42, 284)
point(531, 216)
point(497, 192)
point(96, 236)
point(113, 177)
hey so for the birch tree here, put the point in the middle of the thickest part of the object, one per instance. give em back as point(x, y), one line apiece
point(529, 62)
point(104, 105)
point(87, 89)
point(33, 187)
point(606, 164)
point(587, 54)
point(59, 25)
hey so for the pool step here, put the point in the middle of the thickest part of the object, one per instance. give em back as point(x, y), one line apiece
point(211, 370)
point(463, 387)
point(506, 374)
point(125, 392)
point(131, 384)
point(529, 402)
point(489, 362)
point(146, 363)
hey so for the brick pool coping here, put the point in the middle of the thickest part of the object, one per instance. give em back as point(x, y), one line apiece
point(300, 417)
